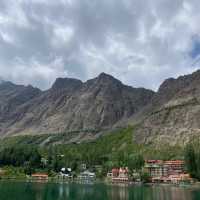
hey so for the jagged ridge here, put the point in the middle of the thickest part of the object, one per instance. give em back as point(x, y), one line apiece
point(173, 116)
point(70, 105)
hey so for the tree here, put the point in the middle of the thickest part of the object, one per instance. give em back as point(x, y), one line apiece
point(18, 156)
point(190, 160)
point(28, 169)
point(35, 158)
point(122, 158)
point(135, 162)
point(197, 174)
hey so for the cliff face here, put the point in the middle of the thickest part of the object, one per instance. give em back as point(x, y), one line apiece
point(173, 116)
point(69, 105)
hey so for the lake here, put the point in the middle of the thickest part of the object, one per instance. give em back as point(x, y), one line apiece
point(51, 191)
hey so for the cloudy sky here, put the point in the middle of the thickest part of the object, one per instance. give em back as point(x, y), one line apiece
point(141, 42)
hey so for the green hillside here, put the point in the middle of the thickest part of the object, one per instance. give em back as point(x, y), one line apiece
point(107, 146)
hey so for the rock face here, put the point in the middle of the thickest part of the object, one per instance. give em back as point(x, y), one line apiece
point(173, 116)
point(68, 105)
point(12, 97)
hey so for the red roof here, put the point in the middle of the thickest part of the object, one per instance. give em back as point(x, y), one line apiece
point(39, 175)
point(115, 170)
point(123, 170)
point(174, 162)
point(154, 161)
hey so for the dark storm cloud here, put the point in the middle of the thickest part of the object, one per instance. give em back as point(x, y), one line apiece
point(43, 39)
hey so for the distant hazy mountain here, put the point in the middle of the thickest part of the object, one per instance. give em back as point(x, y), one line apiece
point(69, 105)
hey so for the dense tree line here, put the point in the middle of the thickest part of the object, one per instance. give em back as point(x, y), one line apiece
point(20, 156)
point(114, 150)
point(192, 159)
point(92, 155)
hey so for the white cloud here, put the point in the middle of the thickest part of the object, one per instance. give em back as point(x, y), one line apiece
point(140, 42)
point(62, 35)
point(36, 72)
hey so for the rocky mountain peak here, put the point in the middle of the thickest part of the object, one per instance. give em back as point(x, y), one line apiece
point(173, 115)
point(171, 87)
point(103, 77)
point(7, 85)
point(103, 81)
point(71, 105)
point(180, 82)
point(66, 84)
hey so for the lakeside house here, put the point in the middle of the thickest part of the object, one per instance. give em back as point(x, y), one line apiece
point(66, 172)
point(87, 176)
point(119, 175)
point(154, 168)
point(158, 168)
point(171, 171)
point(40, 176)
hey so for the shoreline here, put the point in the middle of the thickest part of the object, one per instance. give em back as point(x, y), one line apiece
point(130, 184)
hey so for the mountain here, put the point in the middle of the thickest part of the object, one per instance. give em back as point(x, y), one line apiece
point(69, 105)
point(11, 98)
point(173, 115)
point(170, 115)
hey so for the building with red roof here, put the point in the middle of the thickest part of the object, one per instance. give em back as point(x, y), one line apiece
point(166, 171)
point(119, 175)
point(40, 176)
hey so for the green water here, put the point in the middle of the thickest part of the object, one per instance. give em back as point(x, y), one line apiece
point(42, 191)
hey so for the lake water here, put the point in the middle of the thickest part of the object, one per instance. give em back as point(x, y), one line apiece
point(50, 191)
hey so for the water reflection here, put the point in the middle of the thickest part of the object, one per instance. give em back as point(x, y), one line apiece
point(39, 191)
point(170, 193)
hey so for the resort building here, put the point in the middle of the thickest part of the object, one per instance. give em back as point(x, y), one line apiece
point(87, 175)
point(119, 175)
point(158, 168)
point(115, 173)
point(167, 171)
point(174, 167)
point(155, 168)
point(40, 176)
point(176, 179)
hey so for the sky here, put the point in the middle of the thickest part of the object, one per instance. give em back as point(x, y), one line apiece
point(140, 42)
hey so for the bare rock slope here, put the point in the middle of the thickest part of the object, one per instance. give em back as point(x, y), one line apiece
point(69, 105)
point(173, 116)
